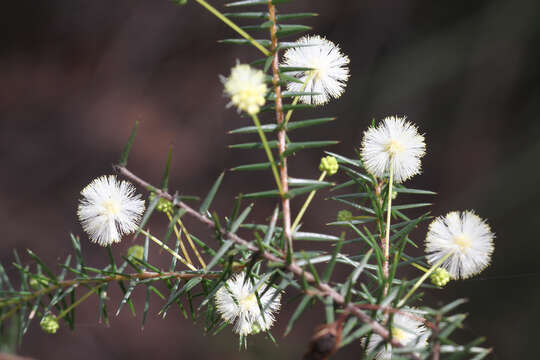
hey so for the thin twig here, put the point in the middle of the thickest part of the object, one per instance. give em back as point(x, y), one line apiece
point(292, 267)
point(105, 279)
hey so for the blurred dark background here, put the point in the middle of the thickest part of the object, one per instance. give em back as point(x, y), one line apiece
point(77, 74)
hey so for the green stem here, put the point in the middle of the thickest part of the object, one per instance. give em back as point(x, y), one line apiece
point(268, 152)
point(423, 278)
point(168, 249)
point(76, 303)
point(179, 239)
point(193, 247)
point(306, 204)
point(233, 26)
point(295, 101)
point(388, 218)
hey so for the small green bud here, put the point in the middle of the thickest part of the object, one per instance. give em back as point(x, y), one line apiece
point(344, 215)
point(180, 2)
point(136, 251)
point(49, 324)
point(394, 195)
point(329, 164)
point(38, 284)
point(440, 277)
point(34, 284)
point(255, 328)
point(163, 205)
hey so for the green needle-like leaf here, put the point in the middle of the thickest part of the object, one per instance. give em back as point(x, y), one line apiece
point(219, 255)
point(127, 147)
point(307, 236)
point(330, 267)
point(252, 167)
point(295, 147)
point(299, 310)
point(247, 15)
point(210, 197)
point(236, 224)
point(281, 17)
point(165, 178)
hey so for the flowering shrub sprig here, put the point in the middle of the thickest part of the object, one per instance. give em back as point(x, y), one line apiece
point(243, 268)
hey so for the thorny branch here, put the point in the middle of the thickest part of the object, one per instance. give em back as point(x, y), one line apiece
point(292, 267)
point(144, 275)
point(282, 133)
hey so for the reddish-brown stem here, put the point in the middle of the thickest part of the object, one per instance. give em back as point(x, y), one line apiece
point(141, 276)
point(282, 133)
point(299, 272)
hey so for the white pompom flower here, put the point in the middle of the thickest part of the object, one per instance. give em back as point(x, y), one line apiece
point(247, 88)
point(395, 142)
point(465, 239)
point(329, 73)
point(407, 328)
point(109, 209)
point(237, 303)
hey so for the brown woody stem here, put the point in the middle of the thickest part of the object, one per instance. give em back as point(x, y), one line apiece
point(282, 133)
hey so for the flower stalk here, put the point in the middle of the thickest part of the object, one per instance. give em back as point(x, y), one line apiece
point(386, 245)
point(168, 249)
point(295, 100)
point(79, 301)
point(233, 26)
point(422, 279)
point(306, 204)
point(268, 153)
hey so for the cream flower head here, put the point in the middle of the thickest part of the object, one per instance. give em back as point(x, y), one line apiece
point(247, 88)
point(329, 73)
point(394, 141)
point(406, 329)
point(237, 303)
point(109, 209)
point(465, 238)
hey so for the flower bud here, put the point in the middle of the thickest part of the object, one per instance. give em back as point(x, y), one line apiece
point(163, 205)
point(34, 284)
point(329, 164)
point(344, 215)
point(49, 324)
point(440, 277)
point(136, 251)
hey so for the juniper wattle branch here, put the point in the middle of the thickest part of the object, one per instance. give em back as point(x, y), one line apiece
point(323, 287)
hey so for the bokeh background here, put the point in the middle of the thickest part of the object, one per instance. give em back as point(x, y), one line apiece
point(77, 74)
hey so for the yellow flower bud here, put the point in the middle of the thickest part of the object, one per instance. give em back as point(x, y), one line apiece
point(329, 164)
